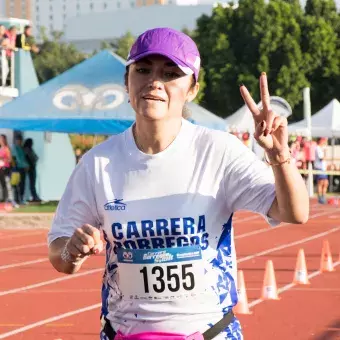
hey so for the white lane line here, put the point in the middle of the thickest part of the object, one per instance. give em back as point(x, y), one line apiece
point(25, 246)
point(246, 219)
point(289, 286)
point(20, 264)
point(269, 228)
point(287, 245)
point(20, 235)
point(15, 265)
point(65, 291)
point(49, 320)
point(45, 283)
point(98, 305)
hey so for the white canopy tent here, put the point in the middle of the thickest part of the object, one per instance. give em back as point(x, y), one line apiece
point(325, 123)
point(242, 120)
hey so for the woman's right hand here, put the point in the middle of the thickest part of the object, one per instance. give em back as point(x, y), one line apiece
point(84, 242)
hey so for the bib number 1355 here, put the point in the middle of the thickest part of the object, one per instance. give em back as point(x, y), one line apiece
point(170, 277)
point(161, 274)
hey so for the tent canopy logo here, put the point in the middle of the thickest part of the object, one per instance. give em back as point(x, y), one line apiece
point(75, 97)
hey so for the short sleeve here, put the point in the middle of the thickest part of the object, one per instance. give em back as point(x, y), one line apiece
point(77, 205)
point(249, 182)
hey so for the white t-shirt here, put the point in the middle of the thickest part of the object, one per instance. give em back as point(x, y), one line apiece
point(185, 195)
point(320, 163)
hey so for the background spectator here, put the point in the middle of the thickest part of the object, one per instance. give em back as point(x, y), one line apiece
point(31, 158)
point(22, 165)
point(320, 164)
point(25, 40)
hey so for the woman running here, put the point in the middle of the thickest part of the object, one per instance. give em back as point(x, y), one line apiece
point(163, 194)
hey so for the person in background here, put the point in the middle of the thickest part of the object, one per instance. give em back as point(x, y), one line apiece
point(12, 35)
point(19, 154)
point(246, 139)
point(15, 179)
point(24, 40)
point(5, 172)
point(321, 165)
point(5, 163)
point(4, 45)
point(31, 158)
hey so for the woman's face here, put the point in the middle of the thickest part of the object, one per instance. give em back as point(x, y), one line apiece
point(2, 141)
point(158, 89)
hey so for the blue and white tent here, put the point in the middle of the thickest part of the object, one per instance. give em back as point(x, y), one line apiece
point(88, 98)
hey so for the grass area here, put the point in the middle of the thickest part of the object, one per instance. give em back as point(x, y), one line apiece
point(45, 207)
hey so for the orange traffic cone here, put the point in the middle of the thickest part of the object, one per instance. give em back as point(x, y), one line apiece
point(301, 274)
point(242, 305)
point(269, 289)
point(326, 258)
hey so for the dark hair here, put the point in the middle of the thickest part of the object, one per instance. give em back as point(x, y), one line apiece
point(5, 139)
point(28, 143)
point(27, 27)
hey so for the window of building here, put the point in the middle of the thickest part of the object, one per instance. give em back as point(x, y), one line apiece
point(105, 5)
point(37, 8)
point(51, 8)
point(78, 7)
point(91, 6)
point(118, 4)
point(51, 17)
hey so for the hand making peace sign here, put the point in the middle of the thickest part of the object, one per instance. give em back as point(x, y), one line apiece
point(270, 129)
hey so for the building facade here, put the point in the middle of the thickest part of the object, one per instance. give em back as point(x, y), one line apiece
point(53, 14)
point(21, 9)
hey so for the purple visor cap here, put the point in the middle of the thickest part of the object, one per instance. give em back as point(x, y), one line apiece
point(175, 45)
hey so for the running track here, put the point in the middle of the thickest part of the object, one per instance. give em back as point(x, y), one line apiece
point(39, 303)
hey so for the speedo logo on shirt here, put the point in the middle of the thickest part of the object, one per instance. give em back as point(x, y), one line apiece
point(161, 233)
point(116, 204)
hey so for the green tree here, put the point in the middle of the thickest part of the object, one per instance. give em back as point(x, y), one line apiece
point(322, 60)
point(120, 46)
point(281, 55)
point(55, 56)
point(212, 38)
point(321, 8)
point(237, 44)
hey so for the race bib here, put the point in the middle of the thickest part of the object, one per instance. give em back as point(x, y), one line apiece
point(161, 274)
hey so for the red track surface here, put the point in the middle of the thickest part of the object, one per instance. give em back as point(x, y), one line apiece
point(31, 292)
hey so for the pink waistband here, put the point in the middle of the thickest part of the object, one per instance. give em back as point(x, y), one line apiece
point(159, 336)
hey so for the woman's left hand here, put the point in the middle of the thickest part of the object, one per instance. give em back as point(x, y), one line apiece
point(270, 129)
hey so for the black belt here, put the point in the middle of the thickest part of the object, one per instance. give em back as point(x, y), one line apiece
point(210, 334)
point(219, 326)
